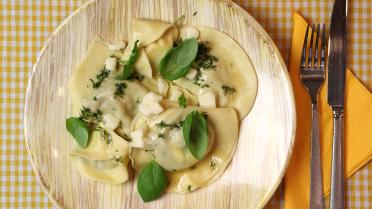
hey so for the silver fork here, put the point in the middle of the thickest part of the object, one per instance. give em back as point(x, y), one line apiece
point(312, 75)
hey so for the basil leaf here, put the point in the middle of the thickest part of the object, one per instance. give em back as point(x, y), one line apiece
point(195, 133)
point(128, 66)
point(177, 61)
point(151, 181)
point(182, 101)
point(79, 130)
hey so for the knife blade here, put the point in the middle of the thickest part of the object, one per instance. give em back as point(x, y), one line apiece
point(337, 54)
point(336, 94)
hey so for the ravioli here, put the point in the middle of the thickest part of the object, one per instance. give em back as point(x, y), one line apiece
point(207, 170)
point(103, 161)
point(233, 69)
point(140, 119)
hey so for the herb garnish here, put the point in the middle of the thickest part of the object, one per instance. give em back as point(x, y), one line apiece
point(128, 66)
point(79, 130)
point(179, 20)
point(182, 101)
point(117, 159)
point(189, 188)
point(152, 181)
point(177, 61)
point(228, 90)
point(199, 81)
point(87, 114)
point(136, 76)
point(100, 78)
point(204, 60)
point(120, 89)
point(195, 133)
point(195, 13)
point(163, 124)
point(94, 98)
point(212, 164)
point(161, 136)
point(105, 135)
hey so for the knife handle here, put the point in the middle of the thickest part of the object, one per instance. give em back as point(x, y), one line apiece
point(337, 198)
point(316, 183)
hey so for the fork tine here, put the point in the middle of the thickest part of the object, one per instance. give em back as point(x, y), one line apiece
point(303, 55)
point(322, 50)
point(316, 46)
point(310, 56)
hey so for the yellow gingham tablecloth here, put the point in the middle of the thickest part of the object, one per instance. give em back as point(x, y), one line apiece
point(25, 26)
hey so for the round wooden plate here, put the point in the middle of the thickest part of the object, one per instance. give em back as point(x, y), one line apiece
point(266, 134)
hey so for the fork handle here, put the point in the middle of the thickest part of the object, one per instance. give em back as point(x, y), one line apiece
point(316, 182)
point(337, 198)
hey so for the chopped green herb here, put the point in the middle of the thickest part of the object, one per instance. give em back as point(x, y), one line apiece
point(100, 78)
point(228, 90)
point(182, 101)
point(136, 76)
point(204, 60)
point(120, 89)
point(162, 125)
point(179, 20)
point(117, 159)
point(189, 188)
point(212, 164)
point(128, 66)
point(195, 13)
point(161, 136)
point(105, 135)
point(94, 98)
point(87, 114)
point(199, 81)
point(138, 101)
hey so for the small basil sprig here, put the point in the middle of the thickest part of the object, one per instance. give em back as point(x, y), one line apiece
point(128, 66)
point(195, 133)
point(79, 130)
point(151, 181)
point(182, 101)
point(177, 61)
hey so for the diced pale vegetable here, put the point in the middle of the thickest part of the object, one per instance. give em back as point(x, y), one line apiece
point(207, 99)
point(110, 63)
point(120, 45)
point(176, 138)
point(188, 32)
point(150, 108)
point(151, 97)
point(110, 122)
point(137, 142)
point(138, 134)
point(162, 87)
point(191, 74)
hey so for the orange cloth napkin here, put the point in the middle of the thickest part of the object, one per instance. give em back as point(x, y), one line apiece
point(358, 128)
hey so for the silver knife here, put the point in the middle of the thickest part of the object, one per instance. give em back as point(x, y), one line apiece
point(336, 92)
